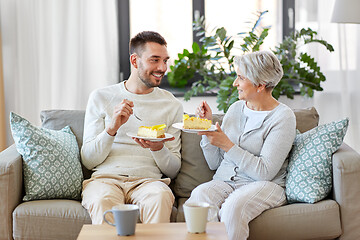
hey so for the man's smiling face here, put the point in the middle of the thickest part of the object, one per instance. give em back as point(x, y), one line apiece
point(152, 64)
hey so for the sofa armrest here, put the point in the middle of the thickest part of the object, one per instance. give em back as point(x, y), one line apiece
point(11, 189)
point(346, 190)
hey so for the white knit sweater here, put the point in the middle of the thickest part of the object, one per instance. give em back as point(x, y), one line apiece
point(120, 154)
point(258, 155)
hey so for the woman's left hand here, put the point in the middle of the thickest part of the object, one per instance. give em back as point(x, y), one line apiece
point(218, 138)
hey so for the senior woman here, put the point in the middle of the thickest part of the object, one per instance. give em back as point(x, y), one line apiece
point(249, 150)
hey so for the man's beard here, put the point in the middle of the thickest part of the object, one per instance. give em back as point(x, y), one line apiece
point(147, 81)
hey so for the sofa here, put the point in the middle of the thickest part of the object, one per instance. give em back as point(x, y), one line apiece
point(337, 216)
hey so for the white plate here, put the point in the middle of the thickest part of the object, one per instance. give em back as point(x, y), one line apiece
point(180, 126)
point(167, 136)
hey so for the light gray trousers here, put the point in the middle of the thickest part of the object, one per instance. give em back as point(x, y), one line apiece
point(153, 196)
point(238, 205)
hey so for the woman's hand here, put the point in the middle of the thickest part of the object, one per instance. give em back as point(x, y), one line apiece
point(204, 111)
point(218, 138)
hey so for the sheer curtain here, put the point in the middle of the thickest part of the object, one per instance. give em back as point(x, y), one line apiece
point(340, 97)
point(2, 105)
point(56, 52)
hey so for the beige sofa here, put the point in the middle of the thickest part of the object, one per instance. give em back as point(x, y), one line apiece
point(336, 216)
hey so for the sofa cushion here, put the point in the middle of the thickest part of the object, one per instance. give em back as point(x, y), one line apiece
point(299, 220)
point(51, 163)
point(49, 219)
point(309, 177)
point(58, 119)
point(306, 118)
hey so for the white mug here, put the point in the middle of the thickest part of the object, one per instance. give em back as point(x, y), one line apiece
point(196, 216)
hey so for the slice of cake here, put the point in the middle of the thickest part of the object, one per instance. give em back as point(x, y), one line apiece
point(157, 131)
point(196, 123)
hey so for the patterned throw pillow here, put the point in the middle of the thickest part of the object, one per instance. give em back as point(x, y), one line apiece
point(309, 177)
point(51, 160)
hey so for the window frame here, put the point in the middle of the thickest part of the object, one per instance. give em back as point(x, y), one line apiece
point(123, 15)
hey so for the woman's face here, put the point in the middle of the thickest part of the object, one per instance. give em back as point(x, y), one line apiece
point(245, 87)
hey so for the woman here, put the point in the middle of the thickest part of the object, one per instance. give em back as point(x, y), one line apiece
point(248, 152)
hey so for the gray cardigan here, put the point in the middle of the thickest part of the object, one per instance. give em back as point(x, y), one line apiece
point(258, 155)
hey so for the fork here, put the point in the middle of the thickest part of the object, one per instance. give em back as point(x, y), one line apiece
point(137, 117)
point(134, 113)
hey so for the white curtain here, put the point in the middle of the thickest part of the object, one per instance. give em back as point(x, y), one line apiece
point(2, 104)
point(340, 97)
point(56, 52)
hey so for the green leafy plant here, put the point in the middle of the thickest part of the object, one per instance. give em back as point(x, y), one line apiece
point(187, 65)
point(213, 62)
point(300, 69)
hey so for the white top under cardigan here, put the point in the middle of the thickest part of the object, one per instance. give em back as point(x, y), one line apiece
point(254, 118)
point(259, 154)
point(120, 154)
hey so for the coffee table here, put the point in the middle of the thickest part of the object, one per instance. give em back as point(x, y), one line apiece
point(156, 231)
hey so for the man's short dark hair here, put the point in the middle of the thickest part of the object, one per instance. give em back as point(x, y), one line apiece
point(138, 42)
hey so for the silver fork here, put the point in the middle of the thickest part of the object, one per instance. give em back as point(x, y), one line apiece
point(137, 117)
point(135, 114)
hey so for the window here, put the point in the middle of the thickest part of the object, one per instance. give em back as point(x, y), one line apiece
point(306, 14)
point(234, 16)
point(172, 19)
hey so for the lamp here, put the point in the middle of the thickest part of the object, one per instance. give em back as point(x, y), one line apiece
point(346, 11)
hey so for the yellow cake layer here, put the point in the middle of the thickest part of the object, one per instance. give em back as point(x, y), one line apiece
point(195, 122)
point(157, 131)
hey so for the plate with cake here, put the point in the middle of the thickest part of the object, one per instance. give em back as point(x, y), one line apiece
point(194, 124)
point(154, 133)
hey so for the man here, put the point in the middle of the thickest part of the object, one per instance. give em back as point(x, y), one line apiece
point(130, 170)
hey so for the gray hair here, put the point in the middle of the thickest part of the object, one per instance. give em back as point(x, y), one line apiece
point(261, 68)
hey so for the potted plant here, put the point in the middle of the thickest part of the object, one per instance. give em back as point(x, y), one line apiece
point(213, 61)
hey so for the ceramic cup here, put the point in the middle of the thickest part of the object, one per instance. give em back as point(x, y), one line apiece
point(196, 216)
point(125, 216)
